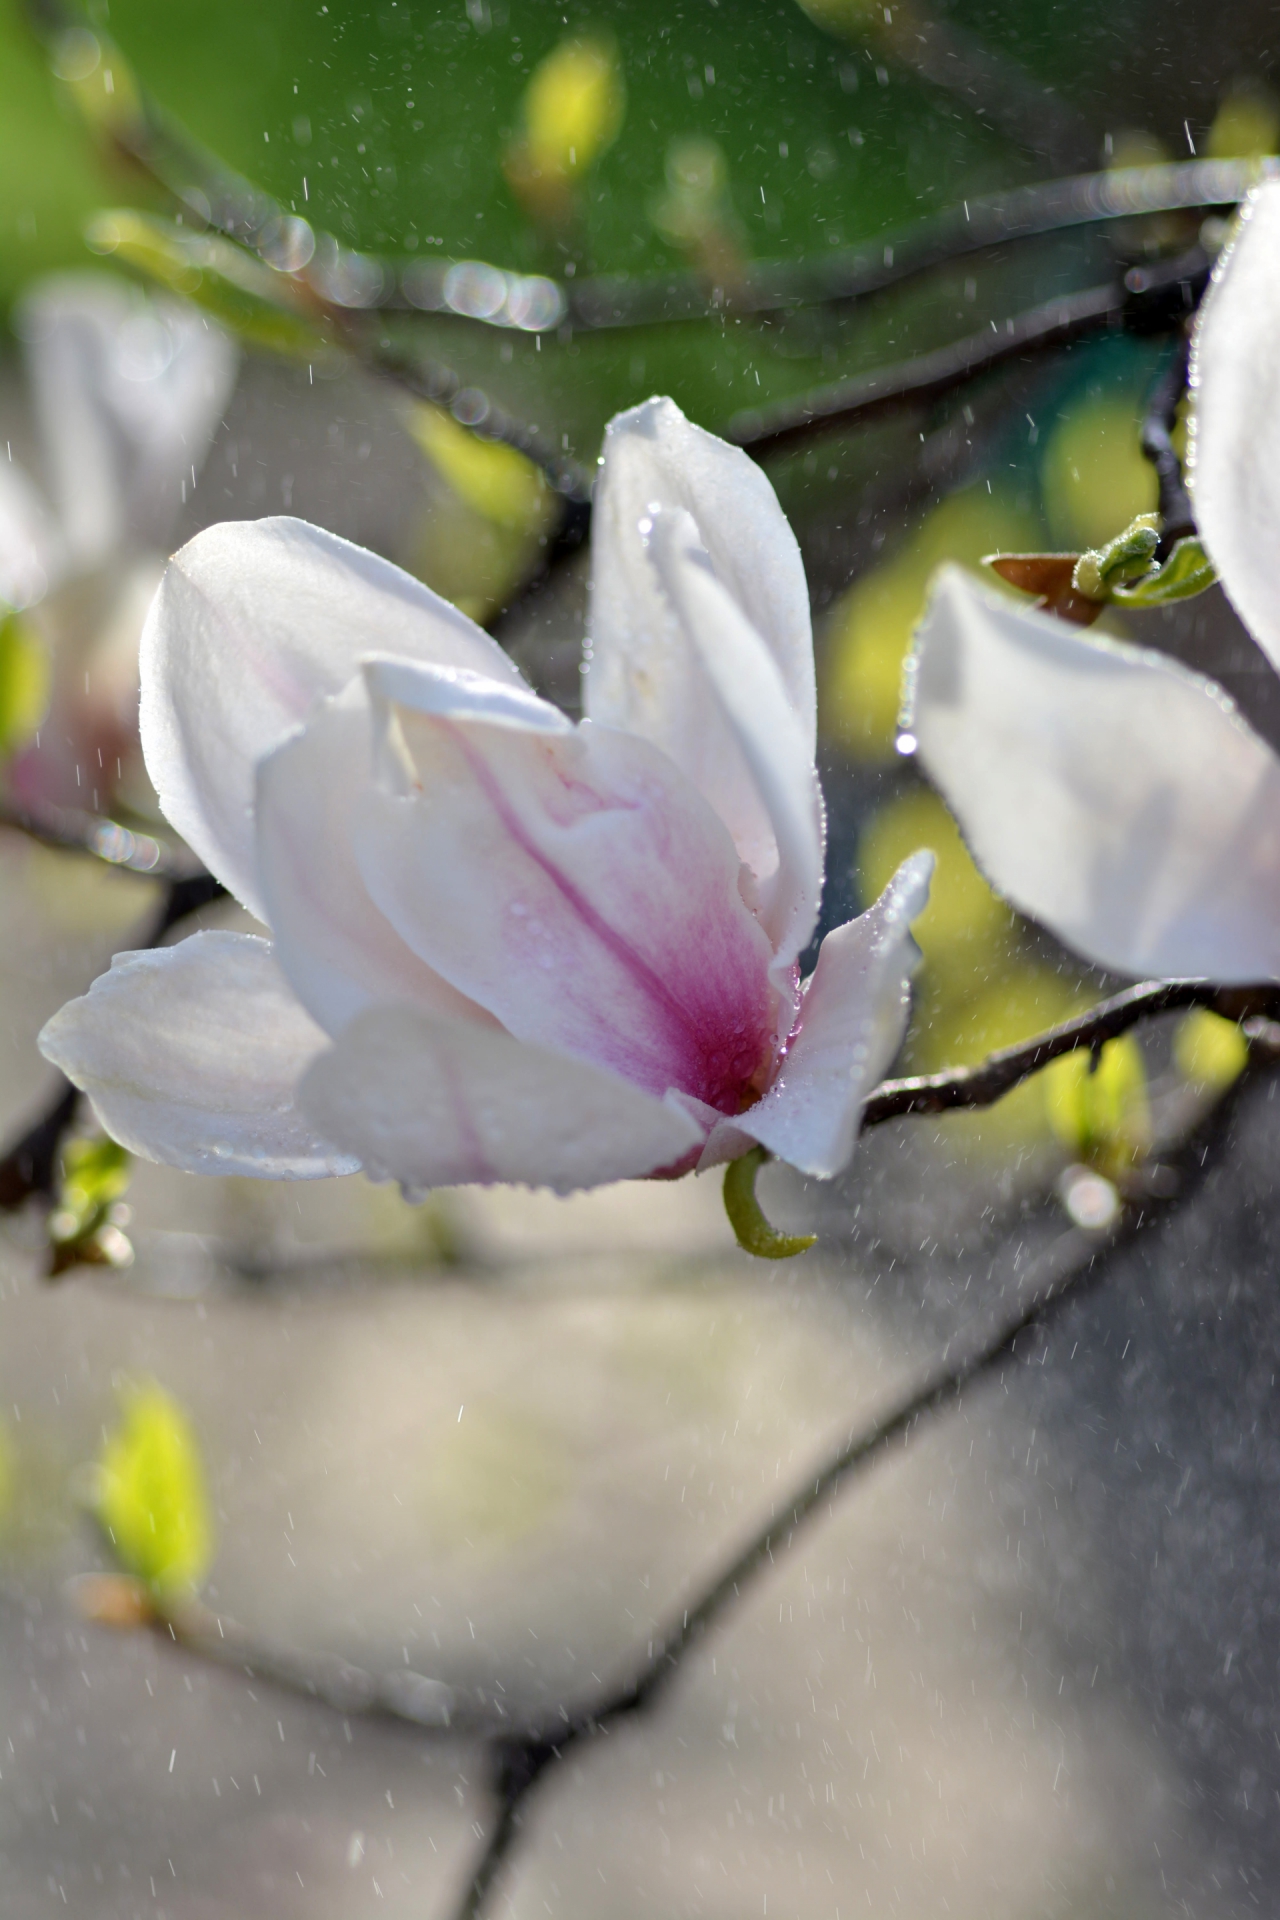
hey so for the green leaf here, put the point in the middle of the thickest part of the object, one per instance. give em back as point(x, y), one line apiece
point(1097, 1105)
point(149, 1494)
point(1186, 572)
point(572, 111)
point(85, 1225)
point(753, 1231)
point(24, 682)
point(50, 173)
point(1103, 569)
point(1209, 1051)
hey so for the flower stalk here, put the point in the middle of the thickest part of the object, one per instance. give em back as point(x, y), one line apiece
point(746, 1216)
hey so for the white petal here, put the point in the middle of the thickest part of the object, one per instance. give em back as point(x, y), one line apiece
point(852, 1020)
point(641, 674)
point(1235, 439)
point(570, 880)
point(339, 952)
point(31, 552)
point(191, 1056)
point(435, 1103)
point(254, 622)
point(745, 696)
point(128, 393)
point(1108, 791)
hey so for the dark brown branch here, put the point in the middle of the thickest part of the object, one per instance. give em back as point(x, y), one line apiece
point(1176, 515)
point(988, 82)
point(469, 405)
point(1149, 299)
point(1073, 1264)
point(242, 211)
point(984, 1084)
point(30, 1165)
point(522, 1752)
point(29, 1168)
point(975, 226)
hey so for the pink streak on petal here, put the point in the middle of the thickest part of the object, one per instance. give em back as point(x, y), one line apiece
point(722, 1053)
point(575, 884)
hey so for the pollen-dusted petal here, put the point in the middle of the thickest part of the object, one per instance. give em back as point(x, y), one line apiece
point(339, 952)
point(254, 622)
point(642, 673)
point(1106, 790)
point(1235, 434)
point(852, 1020)
point(569, 879)
point(191, 1056)
point(436, 1103)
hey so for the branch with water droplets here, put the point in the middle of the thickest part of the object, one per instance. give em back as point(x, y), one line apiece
point(971, 1088)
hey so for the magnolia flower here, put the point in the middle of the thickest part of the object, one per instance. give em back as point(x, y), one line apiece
point(127, 392)
point(505, 947)
point(1108, 791)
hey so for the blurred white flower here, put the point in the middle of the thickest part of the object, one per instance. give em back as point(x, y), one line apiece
point(505, 947)
point(1108, 791)
point(126, 391)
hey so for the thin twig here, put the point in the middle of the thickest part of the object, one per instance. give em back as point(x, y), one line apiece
point(399, 1694)
point(1177, 520)
point(1070, 1266)
point(30, 1165)
point(227, 201)
point(987, 81)
point(982, 1085)
point(521, 1752)
point(29, 1168)
point(957, 233)
point(1149, 299)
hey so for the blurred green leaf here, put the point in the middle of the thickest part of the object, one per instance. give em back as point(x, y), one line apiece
point(1093, 475)
point(1247, 123)
point(1209, 1051)
point(50, 176)
point(572, 112)
point(865, 639)
point(150, 1497)
point(86, 1222)
point(965, 934)
point(398, 117)
point(487, 522)
point(25, 681)
point(1098, 1106)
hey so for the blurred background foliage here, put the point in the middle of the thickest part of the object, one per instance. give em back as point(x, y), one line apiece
point(644, 144)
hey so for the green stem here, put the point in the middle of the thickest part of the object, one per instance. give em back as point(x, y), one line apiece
point(755, 1235)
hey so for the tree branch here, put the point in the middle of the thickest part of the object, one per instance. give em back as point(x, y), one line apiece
point(982, 1085)
point(1149, 299)
point(521, 1752)
point(1176, 515)
point(1069, 1267)
point(957, 233)
point(29, 1168)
